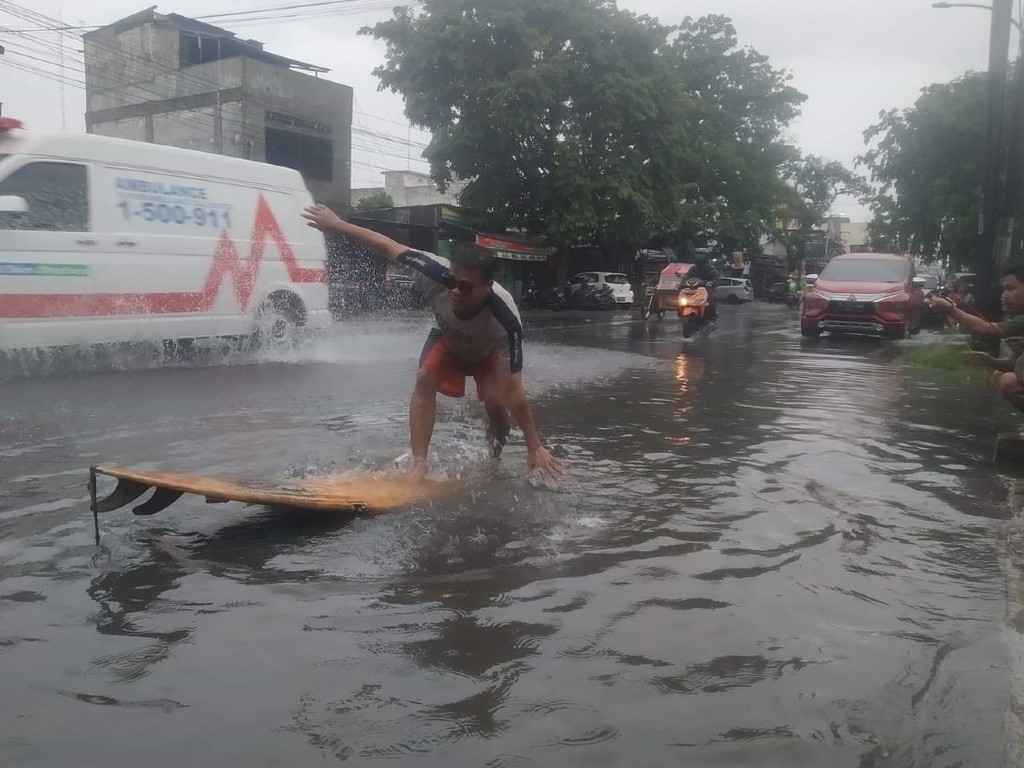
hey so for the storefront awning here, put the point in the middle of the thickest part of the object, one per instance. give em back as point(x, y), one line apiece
point(514, 250)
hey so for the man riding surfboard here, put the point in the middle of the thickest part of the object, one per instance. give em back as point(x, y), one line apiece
point(478, 333)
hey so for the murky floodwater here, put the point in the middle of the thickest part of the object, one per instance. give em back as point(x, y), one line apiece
point(764, 554)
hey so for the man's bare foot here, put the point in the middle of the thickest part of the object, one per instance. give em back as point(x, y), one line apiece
point(419, 469)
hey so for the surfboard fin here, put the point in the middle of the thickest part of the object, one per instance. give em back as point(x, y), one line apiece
point(161, 499)
point(126, 492)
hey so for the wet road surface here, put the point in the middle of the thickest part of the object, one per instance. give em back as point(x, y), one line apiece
point(765, 552)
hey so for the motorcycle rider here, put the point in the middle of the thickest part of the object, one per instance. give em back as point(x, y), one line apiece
point(793, 289)
point(702, 270)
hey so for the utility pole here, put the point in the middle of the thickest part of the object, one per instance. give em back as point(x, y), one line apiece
point(1014, 164)
point(995, 238)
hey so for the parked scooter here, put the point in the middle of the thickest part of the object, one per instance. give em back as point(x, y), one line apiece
point(556, 299)
point(530, 298)
point(594, 297)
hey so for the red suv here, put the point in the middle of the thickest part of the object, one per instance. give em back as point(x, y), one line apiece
point(875, 294)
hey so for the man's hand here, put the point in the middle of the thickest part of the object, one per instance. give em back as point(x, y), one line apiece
point(943, 304)
point(1016, 345)
point(981, 359)
point(323, 218)
point(542, 460)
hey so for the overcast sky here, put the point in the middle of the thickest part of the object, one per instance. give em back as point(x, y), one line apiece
point(852, 58)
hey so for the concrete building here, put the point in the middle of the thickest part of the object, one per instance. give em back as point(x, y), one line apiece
point(411, 188)
point(168, 79)
point(855, 236)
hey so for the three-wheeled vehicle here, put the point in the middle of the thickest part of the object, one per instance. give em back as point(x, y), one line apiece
point(688, 297)
point(665, 296)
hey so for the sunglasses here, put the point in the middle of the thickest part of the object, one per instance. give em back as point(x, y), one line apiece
point(461, 286)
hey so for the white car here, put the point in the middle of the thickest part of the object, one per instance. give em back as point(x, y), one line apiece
point(734, 290)
point(617, 281)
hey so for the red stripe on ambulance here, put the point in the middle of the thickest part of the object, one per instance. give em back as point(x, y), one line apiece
point(226, 263)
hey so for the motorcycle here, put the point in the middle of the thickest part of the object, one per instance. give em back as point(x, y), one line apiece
point(777, 292)
point(594, 297)
point(694, 309)
point(650, 304)
point(530, 298)
point(556, 299)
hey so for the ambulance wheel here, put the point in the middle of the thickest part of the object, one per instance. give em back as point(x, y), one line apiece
point(277, 322)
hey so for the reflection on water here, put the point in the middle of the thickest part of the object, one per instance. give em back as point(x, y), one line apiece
point(764, 553)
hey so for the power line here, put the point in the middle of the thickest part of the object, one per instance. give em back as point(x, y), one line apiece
point(59, 78)
point(259, 15)
point(156, 69)
point(275, 8)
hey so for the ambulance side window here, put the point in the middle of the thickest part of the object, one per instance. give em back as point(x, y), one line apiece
point(57, 197)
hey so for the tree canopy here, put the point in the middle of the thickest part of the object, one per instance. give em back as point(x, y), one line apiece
point(588, 124)
point(375, 201)
point(813, 185)
point(929, 167)
point(745, 104)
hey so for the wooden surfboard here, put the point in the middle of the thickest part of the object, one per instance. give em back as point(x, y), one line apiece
point(360, 493)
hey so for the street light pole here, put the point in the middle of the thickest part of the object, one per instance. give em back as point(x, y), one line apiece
point(1015, 22)
point(1014, 164)
point(1000, 183)
point(995, 240)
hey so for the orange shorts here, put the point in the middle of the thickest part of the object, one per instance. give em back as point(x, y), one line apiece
point(453, 370)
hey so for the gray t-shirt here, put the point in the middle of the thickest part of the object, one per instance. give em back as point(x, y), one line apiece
point(496, 326)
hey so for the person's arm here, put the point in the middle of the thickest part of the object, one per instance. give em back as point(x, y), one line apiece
point(327, 221)
point(1002, 364)
point(972, 323)
point(539, 457)
point(514, 392)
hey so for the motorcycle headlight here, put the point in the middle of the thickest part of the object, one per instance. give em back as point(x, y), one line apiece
point(683, 301)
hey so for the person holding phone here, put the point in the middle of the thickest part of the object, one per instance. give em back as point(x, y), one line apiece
point(1007, 371)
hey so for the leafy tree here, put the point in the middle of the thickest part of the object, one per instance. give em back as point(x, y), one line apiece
point(565, 116)
point(929, 165)
point(814, 184)
point(587, 124)
point(745, 105)
point(375, 201)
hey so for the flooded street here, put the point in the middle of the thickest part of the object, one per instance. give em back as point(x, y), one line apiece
point(765, 552)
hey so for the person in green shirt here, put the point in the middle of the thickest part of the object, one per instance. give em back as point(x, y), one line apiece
point(1007, 371)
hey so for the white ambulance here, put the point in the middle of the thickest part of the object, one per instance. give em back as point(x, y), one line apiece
point(106, 240)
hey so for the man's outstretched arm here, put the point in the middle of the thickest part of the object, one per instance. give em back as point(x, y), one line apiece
point(327, 221)
point(979, 326)
point(539, 457)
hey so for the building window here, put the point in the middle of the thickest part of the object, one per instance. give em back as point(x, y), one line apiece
point(57, 197)
point(311, 156)
point(199, 49)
